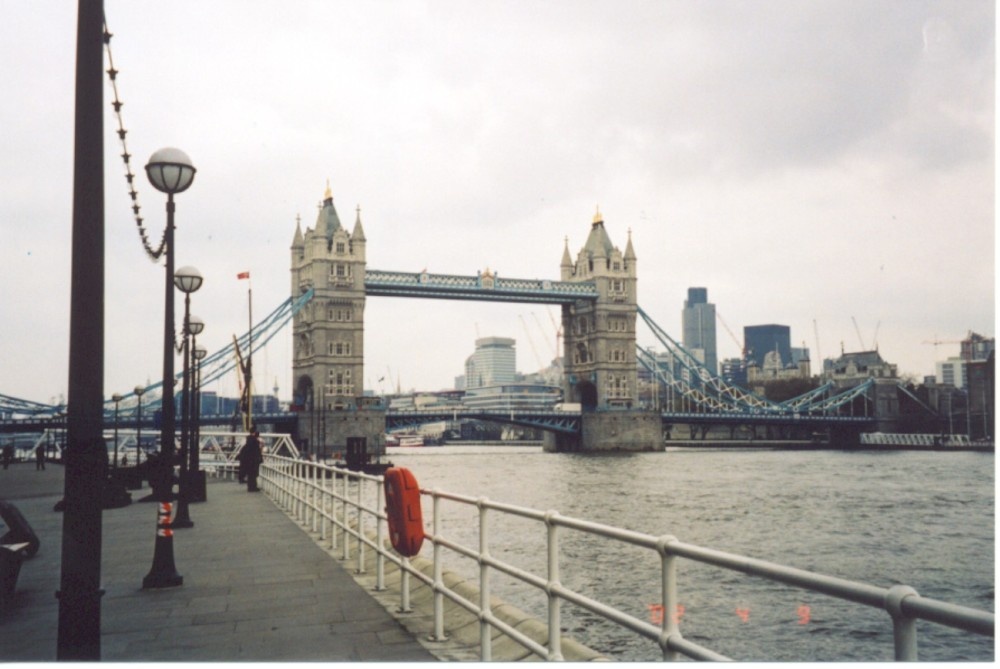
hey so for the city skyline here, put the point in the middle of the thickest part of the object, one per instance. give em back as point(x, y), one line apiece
point(819, 161)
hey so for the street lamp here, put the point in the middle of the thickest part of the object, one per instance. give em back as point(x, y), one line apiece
point(171, 172)
point(138, 390)
point(187, 280)
point(194, 472)
point(117, 398)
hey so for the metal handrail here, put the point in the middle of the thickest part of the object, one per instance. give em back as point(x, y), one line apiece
point(302, 489)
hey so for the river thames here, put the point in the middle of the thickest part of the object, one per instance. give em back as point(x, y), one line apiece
point(923, 519)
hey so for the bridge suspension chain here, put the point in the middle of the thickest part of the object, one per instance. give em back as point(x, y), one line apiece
point(715, 394)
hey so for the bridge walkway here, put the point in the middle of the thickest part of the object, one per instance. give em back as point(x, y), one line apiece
point(256, 587)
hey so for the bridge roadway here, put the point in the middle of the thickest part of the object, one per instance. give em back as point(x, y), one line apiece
point(256, 587)
point(556, 421)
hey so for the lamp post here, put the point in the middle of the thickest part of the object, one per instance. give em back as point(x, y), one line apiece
point(198, 353)
point(86, 459)
point(187, 280)
point(139, 390)
point(117, 398)
point(171, 172)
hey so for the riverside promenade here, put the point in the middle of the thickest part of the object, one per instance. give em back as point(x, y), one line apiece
point(256, 587)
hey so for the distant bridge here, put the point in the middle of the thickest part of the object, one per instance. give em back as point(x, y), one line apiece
point(712, 400)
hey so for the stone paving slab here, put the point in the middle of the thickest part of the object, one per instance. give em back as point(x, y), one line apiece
point(256, 588)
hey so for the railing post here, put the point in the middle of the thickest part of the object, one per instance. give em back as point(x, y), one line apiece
point(668, 595)
point(333, 511)
point(345, 536)
point(404, 586)
point(296, 491)
point(361, 525)
point(485, 641)
point(322, 502)
point(438, 575)
point(555, 623)
point(311, 468)
point(904, 627)
point(379, 537)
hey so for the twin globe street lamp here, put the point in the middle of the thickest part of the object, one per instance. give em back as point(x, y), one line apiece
point(187, 280)
point(170, 171)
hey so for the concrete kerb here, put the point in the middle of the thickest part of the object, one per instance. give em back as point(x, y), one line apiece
point(461, 626)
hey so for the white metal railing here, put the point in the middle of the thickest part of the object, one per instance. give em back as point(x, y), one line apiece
point(219, 450)
point(309, 492)
point(904, 439)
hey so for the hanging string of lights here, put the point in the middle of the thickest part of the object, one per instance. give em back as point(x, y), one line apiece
point(154, 254)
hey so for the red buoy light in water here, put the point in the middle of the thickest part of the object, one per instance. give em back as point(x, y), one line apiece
point(402, 506)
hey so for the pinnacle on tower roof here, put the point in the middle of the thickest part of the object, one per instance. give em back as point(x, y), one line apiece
point(327, 221)
point(567, 260)
point(298, 241)
point(629, 251)
point(359, 234)
point(598, 243)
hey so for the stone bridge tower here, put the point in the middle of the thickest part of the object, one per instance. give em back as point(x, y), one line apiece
point(599, 348)
point(328, 336)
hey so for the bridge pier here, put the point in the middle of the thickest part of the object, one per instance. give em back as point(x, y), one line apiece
point(327, 431)
point(610, 431)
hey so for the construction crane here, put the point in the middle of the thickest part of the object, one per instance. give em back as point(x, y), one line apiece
point(554, 350)
point(819, 356)
point(741, 347)
point(937, 342)
point(861, 341)
point(531, 342)
point(558, 328)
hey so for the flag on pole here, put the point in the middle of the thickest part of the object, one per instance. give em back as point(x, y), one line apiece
point(243, 275)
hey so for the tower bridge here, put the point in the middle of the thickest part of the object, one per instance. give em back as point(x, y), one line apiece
point(597, 294)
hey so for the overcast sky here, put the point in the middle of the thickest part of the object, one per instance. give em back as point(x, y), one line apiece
point(807, 161)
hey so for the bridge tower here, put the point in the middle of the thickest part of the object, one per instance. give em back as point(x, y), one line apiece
point(328, 335)
point(599, 349)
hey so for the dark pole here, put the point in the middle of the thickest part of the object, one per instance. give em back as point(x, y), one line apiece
point(86, 458)
point(163, 573)
point(249, 425)
point(117, 399)
point(138, 426)
point(183, 516)
point(195, 414)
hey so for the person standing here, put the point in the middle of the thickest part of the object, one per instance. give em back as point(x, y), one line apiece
point(252, 458)
point(8, 455)
point(40, 457)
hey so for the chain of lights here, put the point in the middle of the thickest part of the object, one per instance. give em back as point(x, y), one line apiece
point(153, 254)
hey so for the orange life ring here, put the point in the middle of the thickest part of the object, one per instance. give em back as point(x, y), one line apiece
point(402, 506)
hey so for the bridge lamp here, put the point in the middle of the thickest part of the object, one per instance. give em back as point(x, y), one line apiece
point(170, 171)
point(116, 398)
point(199, 354)
point(187, 280)
point(138, 390)
point(195, 326)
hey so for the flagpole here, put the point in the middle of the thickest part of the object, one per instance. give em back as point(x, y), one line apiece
point(249, 387)
point(248, 368)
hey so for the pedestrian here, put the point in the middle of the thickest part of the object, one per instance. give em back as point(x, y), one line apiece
point(241, 460)
point(8, 455)
point(252, 457)
point(40, 457)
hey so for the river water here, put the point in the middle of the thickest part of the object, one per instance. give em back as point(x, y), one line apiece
point(924, 519)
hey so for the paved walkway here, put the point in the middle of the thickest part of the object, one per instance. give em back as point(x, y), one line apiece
point(256, 587)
